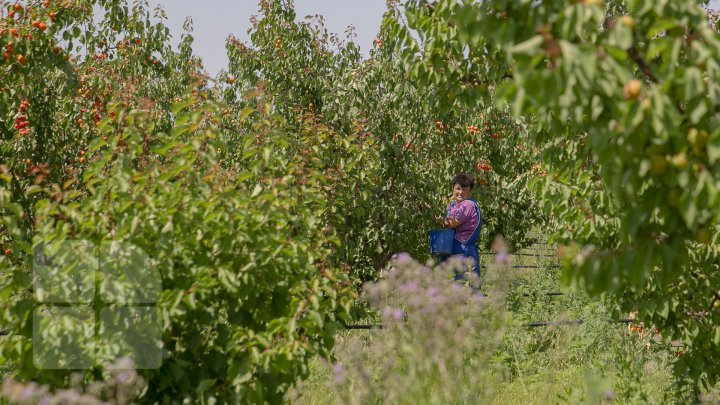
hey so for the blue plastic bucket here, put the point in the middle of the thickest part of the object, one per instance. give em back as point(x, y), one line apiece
point(441, 241)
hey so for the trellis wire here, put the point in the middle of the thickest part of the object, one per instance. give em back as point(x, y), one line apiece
point(529, 324)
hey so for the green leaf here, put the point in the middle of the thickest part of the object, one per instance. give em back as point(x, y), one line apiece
point(663, 309)
point(693, 83)
point(528, 47)
point(621, 36)
point(698, 109)
point(34, 189)
point(205, 384)
point(256, 191)
point(316, 317)
point(245, 113)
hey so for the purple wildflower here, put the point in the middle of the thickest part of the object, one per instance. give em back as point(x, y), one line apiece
point(124, 363)
point(502, 257)
point(402, 258)
point(28, 392)
point(73, 396)
point(122, 378)
point(338, 373)
point(409, 287)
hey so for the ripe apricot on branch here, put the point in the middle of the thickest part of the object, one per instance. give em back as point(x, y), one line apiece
point(632, 89)
point(21, 60)
point(680, 160)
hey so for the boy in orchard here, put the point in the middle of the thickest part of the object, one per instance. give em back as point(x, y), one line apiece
point(465, 217)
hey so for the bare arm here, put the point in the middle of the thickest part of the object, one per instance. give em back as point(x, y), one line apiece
point(451, 223)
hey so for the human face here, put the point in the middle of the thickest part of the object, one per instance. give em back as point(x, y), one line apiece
point(461, 193)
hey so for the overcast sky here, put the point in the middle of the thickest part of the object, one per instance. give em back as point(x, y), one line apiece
point(214, 20)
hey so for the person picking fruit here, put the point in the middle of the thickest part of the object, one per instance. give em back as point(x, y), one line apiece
point(465, 217)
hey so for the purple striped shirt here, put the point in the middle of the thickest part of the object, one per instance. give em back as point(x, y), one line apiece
point(465, 213)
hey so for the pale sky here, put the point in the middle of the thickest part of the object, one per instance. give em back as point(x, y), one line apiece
point(214, 20)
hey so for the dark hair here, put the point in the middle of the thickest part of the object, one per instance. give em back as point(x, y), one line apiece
point(464, 180)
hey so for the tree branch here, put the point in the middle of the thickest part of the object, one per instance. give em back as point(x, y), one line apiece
point(644, 67)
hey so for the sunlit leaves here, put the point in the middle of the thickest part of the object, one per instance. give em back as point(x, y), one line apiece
point(614, 94)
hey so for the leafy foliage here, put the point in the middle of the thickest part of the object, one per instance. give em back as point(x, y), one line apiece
point(235, 223)
point(623, 106)
point(415, 151)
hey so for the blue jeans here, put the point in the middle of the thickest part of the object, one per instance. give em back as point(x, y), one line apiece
point(467, 250)
point(464, 250)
